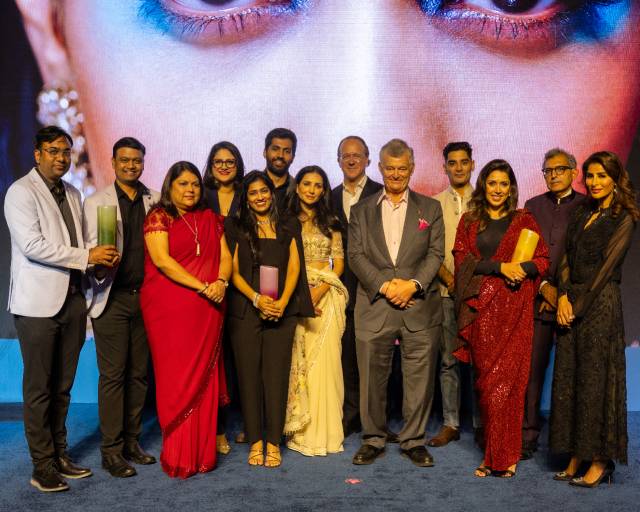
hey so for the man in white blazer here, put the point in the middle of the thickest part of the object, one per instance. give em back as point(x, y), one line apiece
point(48, 256)
point(114, 300)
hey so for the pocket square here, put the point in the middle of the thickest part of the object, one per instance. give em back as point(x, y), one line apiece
point(422, 224)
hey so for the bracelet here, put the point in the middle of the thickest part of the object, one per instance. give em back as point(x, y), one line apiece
point(224, 281)
point(256, 296)
point(206, 285)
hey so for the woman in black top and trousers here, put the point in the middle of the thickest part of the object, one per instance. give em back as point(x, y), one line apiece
point(261, 328)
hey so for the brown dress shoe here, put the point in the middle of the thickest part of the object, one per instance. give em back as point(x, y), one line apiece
point(445, 436)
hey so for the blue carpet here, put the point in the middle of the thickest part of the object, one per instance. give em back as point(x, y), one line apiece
point(305, 484)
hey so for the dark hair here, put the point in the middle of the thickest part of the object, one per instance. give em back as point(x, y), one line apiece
point(324, 219)
point(478, 205)
point(49, 134)
point(624, 197)
point(172, 174)
point(245, 216)
point(359, 139)
point(457, 146)
point(129, 142)
point(207, 173)
point(281, 133)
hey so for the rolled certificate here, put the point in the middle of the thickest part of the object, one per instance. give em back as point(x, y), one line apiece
point(526, 246)
point(107, 225)
point(269, 281)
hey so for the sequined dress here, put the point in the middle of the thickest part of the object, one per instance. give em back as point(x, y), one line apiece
point(588, 405)
point(495, 323)
point(316, 388)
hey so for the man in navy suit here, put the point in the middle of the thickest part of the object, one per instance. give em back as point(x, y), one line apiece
point(44, 215)
point(552, 211)
point(353, 159)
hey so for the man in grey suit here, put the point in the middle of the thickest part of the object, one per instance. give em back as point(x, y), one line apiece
point(396, 245)
point(48, 256)
point(121, 341)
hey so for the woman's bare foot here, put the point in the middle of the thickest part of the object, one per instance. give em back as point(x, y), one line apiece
point(482, 471)
point(256, 454)
point(274, 458)
point(509, 473)
point(222, 445)
point(595, 471)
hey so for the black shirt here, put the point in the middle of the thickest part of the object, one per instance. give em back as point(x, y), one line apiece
point(58, 192)
point(130, 273)
point(282, 193)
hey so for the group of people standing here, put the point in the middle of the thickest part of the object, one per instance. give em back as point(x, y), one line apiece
point(301, 293)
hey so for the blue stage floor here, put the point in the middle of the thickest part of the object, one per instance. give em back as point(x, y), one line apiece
point(305, 484)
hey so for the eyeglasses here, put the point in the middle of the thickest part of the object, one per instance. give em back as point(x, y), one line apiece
point(224, 163)
point(54, 152)
point(559, 170)
point(353, 156)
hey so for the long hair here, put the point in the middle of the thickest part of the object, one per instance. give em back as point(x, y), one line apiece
point(624, 194)
point(207, 173)
point(165, 193)
point(246, 218)
point(324, 218)
point(478, 204)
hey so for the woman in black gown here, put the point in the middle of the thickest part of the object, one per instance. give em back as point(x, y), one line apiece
point(588, 408)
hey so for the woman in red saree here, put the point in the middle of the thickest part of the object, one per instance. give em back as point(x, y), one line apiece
point(494, 302)
point(187, 266)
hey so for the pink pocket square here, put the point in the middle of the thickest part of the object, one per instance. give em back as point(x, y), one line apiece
point(422, 224)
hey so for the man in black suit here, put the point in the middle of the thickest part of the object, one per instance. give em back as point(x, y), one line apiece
point(279, 151)
point(552, 210)
point(353, 158)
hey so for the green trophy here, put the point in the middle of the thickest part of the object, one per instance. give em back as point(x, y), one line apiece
point(107, 225)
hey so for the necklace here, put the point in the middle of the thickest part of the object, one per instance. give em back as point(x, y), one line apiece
point(195, 233)
point(263, 222)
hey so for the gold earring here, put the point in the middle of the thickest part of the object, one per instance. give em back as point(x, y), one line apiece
point(59, 106)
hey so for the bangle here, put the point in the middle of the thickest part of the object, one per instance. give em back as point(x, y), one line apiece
point(256, 297)
point(224, 281)
point(206, 285)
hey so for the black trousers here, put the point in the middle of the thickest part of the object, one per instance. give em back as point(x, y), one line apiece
point(543, 335)
point(50, 350)
point(351, 407)
point(262, 351)
point(123, 357)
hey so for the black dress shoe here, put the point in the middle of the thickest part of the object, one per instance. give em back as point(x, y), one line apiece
point(419, 455)
point(392, 437)
point(68, 469)
point(367, 454)
point(117, 466)
point(136, 454)
point(48, 479)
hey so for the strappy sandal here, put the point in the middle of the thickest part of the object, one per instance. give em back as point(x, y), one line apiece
point(256, 456)
point(563, 476)
point(482, 471)
point(507, 473)
point(273, 459)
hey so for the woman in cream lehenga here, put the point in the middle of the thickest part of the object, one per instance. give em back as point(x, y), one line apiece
point(316, 389)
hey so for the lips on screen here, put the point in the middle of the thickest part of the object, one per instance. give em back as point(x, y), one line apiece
point(547, 24)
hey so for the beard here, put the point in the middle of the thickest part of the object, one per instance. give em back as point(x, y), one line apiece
point(278, 171)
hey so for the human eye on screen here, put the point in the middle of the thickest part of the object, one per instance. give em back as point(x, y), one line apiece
point(208, 21)
point(528, 25)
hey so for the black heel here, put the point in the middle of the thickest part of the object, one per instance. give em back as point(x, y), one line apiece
point(607, 474)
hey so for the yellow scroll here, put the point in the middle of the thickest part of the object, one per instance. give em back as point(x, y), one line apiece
point(526, 246)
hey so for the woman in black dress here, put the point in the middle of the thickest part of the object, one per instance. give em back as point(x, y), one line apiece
point(588, 408)
point(261, 328)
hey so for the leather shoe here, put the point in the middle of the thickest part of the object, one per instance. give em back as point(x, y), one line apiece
point(48, 479)
point(117, 466)
point(445, 436)
point(68, 469)
point(392, 437)
point(241, 438)
point(419, 455)
point(136, 454)
point(367, 454)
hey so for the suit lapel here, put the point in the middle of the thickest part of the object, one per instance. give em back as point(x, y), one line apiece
point(410, 227)
point(377, 231)
point(41, 188)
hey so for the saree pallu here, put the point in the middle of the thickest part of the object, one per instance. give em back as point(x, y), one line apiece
point(316, 388)
point(184, 332)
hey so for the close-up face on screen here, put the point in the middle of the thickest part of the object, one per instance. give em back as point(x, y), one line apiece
point(513, 77)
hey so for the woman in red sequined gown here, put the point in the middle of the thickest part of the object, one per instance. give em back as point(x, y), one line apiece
point(494, 301)
point(187, 265)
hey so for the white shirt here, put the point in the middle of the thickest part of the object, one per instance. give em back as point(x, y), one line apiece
point(349, 199)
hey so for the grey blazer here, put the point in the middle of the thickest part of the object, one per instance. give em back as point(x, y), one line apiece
point(419, 257)
point(41, 254)
point(98, 293)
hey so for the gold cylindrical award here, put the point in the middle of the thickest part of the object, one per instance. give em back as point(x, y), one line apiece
point(107, 225)
point(526, 246)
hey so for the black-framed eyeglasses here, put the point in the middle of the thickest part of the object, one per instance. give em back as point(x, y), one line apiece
point(559, 170)
point(224, 163)
point(54, 152)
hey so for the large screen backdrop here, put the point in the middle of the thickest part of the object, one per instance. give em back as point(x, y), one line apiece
point(182, 75)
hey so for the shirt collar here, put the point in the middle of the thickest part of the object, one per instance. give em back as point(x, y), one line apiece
point(564, 199)
point(55, 187)
point(383, 196)
point(140, 190)
point(468, 190)
point(360, 185)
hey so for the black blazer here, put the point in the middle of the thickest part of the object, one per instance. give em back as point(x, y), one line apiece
point(300, 303)
point(211, 200)
point(348, 277)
